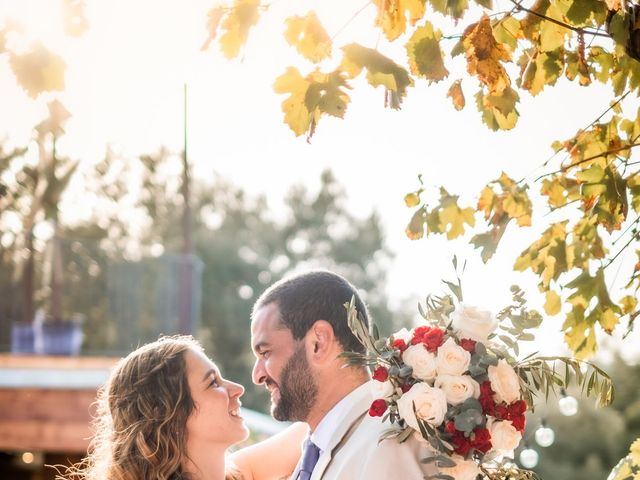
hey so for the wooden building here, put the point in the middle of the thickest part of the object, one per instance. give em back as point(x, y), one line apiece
point(46, 411)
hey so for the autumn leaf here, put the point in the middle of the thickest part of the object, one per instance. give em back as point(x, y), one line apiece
point(310, 97)
point(75, 22)
point(309, 37)
point(629, 304)
point(484, 56)
point(580, 334)
point(213, 21)
point(456, 94)
point(296, 114)
point(452, 217)
point(412, 199)
point(508, 31)
point(552, 303)
point(393, 15)
point(38, 70)
point(453, 8)
point(498, 111)
point(236, 25)
point(541, 69)
point(380, 70)
point(425, 55)
point(416, 228)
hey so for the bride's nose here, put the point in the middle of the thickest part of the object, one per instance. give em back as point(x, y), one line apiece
point(235, 389)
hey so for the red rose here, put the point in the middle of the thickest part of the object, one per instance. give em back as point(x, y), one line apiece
point(450, 427)
point(486, 399)
point(433, 339)
point(405, 388)
point(468, 344)
point(519, 423)
point(419, 333)
point(380, 374)
point(481, 440)
point(517, 408)
point(462, 445)
point(501, 412)
point(400, 344)
point(378, 407)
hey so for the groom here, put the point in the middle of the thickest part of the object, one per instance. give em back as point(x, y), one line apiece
point(298, 329)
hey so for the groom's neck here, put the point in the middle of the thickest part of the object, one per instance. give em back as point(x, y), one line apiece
point(332, 389)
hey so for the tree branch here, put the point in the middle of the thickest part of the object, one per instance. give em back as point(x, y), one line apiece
point(519, 7)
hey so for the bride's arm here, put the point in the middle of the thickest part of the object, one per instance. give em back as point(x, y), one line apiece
point(273, 458)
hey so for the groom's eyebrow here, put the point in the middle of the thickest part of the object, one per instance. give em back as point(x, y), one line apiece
point(259, 346)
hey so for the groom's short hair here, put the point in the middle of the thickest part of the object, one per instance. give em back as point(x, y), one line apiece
point(316, 295)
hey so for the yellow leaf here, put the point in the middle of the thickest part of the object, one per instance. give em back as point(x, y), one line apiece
point(415, 229)
point(552, 304)
point(456, 94)
point(381, 70)
point(296, 114)
point(412, 199)
point(242, 16)
point(392, 15)
point(425, 55)
point(213, 21)
point(309, 37)
point(580, 338)
point(484, 56)
point(453, 218)
point(628, 304)
point(634, 451)
point(39, 70)
point(549, 270)
point(485, 203)
point(508, 31)
point(608, 320)
point(499, 111)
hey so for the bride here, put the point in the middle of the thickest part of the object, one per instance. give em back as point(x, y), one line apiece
point(167, 413)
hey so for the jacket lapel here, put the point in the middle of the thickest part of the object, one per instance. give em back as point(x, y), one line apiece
point(345, 426)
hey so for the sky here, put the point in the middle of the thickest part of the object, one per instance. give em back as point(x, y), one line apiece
point(125, 79)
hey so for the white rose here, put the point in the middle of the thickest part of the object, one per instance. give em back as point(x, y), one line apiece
point(403, 334)
point(473, 323)
point(422, 361)
point(457, 388)
point(382, 389)
point(504, 381)
point(463, 470)
point(452, 359)
point(430, 404)
point(504, 436)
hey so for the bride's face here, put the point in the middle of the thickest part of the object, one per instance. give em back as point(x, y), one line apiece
point(216, 418)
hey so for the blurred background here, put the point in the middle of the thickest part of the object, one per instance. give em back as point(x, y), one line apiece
point(147, 188)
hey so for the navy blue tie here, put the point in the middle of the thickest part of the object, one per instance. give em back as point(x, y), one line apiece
point(310, 457)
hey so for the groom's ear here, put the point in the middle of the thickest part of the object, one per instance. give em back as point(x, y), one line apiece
point(321, 341)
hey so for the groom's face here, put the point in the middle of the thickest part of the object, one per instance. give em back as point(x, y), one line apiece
point(282, 366)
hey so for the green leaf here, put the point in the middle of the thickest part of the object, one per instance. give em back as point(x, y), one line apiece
point(381, 70)
point(425, 55)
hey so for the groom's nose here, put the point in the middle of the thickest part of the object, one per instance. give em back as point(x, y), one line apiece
point(259, 374)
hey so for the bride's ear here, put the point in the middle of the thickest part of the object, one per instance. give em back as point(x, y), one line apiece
point(321, 341)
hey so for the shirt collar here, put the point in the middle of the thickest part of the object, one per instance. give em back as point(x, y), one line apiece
point(321, 436)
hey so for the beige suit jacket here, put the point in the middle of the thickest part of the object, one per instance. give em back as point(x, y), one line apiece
point(355, 452)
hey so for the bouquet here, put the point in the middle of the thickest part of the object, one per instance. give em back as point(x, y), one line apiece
point(456, 383)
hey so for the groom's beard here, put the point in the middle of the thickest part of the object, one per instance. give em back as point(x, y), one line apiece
point(298, 390)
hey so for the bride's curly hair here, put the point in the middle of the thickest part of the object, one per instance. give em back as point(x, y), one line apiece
point(142, 412)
